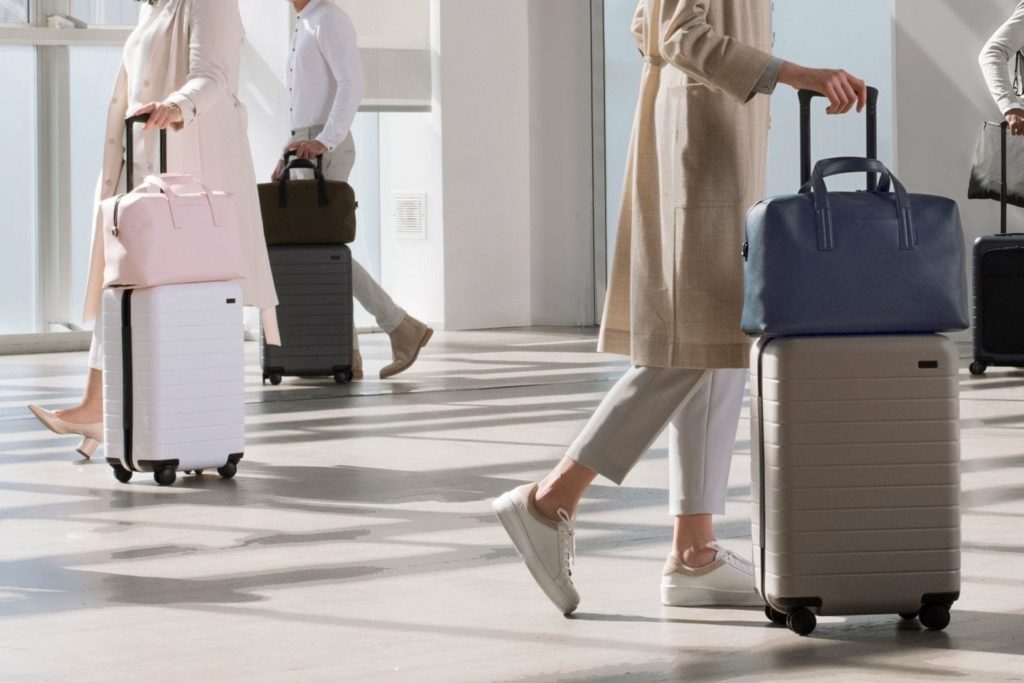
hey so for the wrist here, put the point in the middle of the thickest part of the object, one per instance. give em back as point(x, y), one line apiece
point(789, 73)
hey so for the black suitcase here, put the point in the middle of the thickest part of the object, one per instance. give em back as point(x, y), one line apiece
point(314, 314)
point(999, 293)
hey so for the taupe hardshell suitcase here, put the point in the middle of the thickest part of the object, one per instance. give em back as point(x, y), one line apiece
point(856, 480)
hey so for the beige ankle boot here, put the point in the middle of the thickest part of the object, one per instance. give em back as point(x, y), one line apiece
point(406, 341)
point(357, 365)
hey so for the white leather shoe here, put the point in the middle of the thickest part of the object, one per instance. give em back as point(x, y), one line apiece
point(547, 548)
point(92, 434)
point(726, 582)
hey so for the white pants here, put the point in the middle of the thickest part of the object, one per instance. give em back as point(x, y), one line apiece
point(338, 165)
point(702, 411)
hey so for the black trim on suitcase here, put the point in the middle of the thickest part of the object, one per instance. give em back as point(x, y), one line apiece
point(127, 379)
point(129, 149)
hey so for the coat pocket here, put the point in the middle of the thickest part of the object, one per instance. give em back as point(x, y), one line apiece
point(707, 157)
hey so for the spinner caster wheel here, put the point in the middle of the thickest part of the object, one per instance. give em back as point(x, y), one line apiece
point(165, 476)
point(802, 621)
point(122, 474)
point(275, 379)
point(934, 616)
point(227, 471)
point(908, 616)
point(978, 369)
point(774, 615)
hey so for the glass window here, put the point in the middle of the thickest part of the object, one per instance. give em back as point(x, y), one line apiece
point(105, 12)
point(18, 226)
point(13, 11)
point(93, 71)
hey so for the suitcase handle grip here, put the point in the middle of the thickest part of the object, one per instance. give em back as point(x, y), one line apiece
point(167, 185)
point(129, 149)
point(823, 208)
point(806, 97)
point(321, 184)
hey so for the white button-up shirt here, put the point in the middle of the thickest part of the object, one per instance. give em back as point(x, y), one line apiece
point(325, 76)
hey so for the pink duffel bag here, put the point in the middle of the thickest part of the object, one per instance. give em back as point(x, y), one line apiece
point(158, 234)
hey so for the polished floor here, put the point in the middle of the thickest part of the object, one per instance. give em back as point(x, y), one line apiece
point(357, 544)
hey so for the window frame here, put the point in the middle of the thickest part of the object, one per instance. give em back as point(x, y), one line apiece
point(55, 328)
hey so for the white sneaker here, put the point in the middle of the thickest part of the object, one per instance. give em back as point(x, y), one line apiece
point(547, 548)
point(726, 582)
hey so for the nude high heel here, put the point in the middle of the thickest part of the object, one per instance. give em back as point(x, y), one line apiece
point(92, 434)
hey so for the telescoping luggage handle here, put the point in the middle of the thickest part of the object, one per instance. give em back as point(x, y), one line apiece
point(1003, 192)
point(806, 97)
point(293, 164)
point(129, 147)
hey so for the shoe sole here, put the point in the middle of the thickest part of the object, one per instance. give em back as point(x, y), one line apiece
point(705, 597)
point(415, 356)
point(505, 508)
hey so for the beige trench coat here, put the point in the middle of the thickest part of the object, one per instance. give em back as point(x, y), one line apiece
point(196, 66)
point(696, 164)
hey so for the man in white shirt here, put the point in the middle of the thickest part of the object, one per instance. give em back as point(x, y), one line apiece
point(325, 87)
point(994, 59)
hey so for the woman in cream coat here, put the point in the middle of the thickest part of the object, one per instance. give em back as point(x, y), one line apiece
point(696, 164)
point(181, 66)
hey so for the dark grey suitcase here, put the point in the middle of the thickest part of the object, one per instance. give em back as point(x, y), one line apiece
point(998, 293)
point(315, 313)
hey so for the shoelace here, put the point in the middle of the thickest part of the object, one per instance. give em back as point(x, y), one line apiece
point(733, 559)
point(567, 539)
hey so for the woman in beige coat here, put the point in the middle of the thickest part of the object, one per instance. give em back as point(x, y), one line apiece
point(181, 66)
point(696, 164)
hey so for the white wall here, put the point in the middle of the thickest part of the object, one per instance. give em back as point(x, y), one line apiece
point(851, 35)
point(561, 164)
point(485, 100)
point(943, 100)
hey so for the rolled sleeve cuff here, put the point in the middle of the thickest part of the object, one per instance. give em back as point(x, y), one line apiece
point(328, 140)
point(188, 109)
point(769, 79)
point(1008, 104)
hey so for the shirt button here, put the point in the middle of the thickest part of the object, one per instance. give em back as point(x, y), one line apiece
point(146, 84)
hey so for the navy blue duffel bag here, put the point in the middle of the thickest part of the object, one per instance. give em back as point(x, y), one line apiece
point(832, 263)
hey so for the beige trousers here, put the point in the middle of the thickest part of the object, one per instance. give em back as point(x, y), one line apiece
point(702, 411)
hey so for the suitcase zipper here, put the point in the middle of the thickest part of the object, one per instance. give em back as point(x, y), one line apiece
point(127, 399)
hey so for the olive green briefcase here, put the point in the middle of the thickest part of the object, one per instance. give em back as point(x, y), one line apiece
point(302, 212)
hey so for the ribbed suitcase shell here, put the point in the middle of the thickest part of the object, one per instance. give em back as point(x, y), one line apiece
point(998, 293)
point(187, 376)
point(855, 460)
point(315, 313)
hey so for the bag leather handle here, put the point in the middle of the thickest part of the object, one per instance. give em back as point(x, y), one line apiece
point(166, 184)
point(293, 164)
point(823, 208)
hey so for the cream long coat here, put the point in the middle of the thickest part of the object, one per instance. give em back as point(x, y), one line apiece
point(196, 66)
point(696, 164)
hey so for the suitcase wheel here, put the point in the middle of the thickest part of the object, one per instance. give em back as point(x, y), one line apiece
point(908, 616)
point(165, 476)
point(978, 369)
point(275, 378)
point(801, 621)
point(934, 616)
point(228, 471)
point(774, 615)
point(343, 376)
point(122, 474)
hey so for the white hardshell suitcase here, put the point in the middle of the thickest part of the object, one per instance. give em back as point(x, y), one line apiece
point(173, 380)
point(856, 479)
